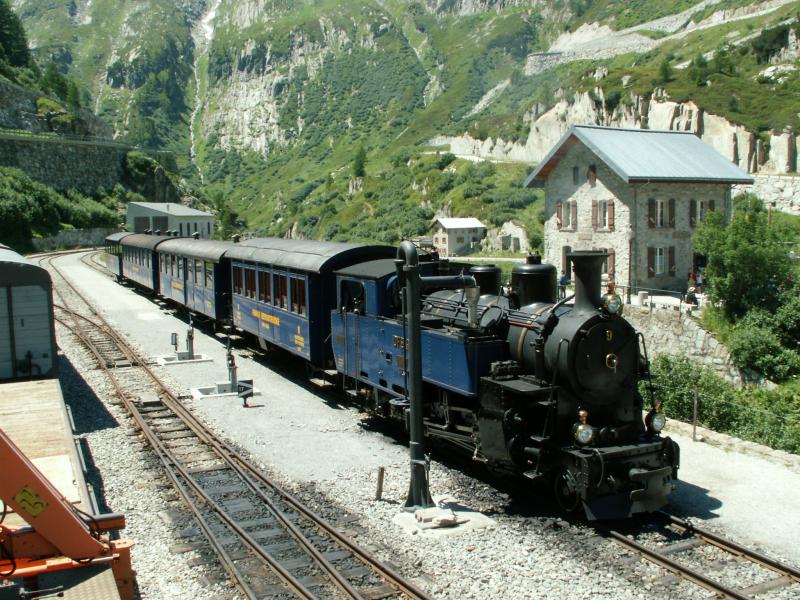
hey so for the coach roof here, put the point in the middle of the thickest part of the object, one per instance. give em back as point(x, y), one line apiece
point(206, 249)
point(115, 237)
point(144, 240)
point(16, 270)
point(305, 255)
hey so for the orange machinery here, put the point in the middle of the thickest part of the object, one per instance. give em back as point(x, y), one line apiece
point(59, 536)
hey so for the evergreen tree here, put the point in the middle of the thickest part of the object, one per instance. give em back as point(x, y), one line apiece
point(73, 97)
point(53, 81)
point(664, 71)
point(13, 40)
point(359, 163)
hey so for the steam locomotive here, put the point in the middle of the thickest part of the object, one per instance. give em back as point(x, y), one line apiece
point(525, 383)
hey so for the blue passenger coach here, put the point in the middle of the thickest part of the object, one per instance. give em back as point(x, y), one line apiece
point(114, 252)
point(139, 259)
point(283, 291)
point(195, 274)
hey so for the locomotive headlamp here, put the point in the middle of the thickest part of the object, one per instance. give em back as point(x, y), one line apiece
point(584, 434)
point(612, 304)
point(658, 421)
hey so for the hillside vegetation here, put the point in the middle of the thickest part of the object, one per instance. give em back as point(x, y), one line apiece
point(267, 104)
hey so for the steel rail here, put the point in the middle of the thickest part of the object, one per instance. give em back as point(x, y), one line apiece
point(213, 539)
point(735, 548)
point(240, 465)
point(681, 570)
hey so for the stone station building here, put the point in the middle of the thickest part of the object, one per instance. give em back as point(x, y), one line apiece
point(453, 236)
point(637, 194)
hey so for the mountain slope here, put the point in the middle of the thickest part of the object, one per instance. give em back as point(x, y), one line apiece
point(267, 101)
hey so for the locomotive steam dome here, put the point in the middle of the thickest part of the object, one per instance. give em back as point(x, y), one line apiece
point(488, 278)
point(534, 282)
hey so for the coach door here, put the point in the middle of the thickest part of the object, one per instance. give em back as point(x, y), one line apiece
point(352, 303)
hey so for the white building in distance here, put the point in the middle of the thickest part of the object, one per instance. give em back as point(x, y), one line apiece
point(168, 216)
point(457, 236)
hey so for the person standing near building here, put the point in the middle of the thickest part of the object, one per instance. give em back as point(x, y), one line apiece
point(562, 285)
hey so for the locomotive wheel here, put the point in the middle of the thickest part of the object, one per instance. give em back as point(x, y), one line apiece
point(565, 491)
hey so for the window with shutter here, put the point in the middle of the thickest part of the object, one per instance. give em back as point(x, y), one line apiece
point(692, 212)
point(660, 261)
point(610, 217)
point(711, 205)
point(672, 260)
point(611, 263)
point(672, 212)
point(651, 212)
point(594, 214)
point(559, 220)
point(651, 262)
point(573, 217)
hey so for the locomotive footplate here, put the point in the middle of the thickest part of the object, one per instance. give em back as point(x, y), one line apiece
point(618, 481)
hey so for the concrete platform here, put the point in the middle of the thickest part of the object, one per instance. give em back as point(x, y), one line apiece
point(420, 523)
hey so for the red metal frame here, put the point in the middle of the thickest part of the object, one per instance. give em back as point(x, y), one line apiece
point(58, 537)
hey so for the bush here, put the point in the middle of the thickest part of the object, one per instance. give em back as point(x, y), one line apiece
point(770, 417)
point(756, 347)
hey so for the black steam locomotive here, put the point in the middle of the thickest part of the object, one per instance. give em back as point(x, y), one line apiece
point(527, 384)
point(523, 382)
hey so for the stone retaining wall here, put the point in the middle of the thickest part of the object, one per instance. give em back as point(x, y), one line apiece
point(73, 238)
point(65, 165)
point(668, 331)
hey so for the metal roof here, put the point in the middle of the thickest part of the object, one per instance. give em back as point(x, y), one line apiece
point(171, 208)
point(145, 240)
point(305, 255)
point(115, 237)
point(372, 269)
point(645, 155)
point(459, 222)
point(15, 269)
point(205, 249)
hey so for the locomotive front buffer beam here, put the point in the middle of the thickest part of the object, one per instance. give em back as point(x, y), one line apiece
point(616, 482)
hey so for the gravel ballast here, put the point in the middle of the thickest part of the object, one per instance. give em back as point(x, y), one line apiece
point(323, 450)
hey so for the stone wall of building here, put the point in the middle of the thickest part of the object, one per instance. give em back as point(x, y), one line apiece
point(782, 192)
point(670, 331)
point(63, 164)
point(631, 216)
point(73, 238)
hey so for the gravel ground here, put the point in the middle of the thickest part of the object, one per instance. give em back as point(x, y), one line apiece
point(327, 454)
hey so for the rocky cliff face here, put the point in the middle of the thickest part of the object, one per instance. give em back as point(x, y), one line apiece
point(743, 147)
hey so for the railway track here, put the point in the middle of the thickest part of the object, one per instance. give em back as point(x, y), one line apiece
point(270, 544)
point(705, 557)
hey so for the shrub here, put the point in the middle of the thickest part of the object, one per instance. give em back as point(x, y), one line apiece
point(770, 417)
point(758, 348)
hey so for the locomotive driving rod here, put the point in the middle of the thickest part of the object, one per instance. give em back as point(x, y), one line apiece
point(412, 284)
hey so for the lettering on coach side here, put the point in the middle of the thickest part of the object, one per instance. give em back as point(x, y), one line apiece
point(399, 342)
point(266, 317)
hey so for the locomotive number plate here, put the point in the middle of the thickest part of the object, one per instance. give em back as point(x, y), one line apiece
point(399, 342)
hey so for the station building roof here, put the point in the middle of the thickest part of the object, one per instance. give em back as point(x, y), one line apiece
point(459, 223)
point(645, 155)
point(305, 255)
point(171, 208)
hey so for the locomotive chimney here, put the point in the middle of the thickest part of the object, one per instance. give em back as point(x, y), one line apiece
point(587, 265)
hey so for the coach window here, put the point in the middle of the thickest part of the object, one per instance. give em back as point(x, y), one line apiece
point(209, 274)
point(198, 272)
point(237, 280)
point(179, 260)
point(250, 283)
point(280, 299)
point(264, 287)
point(298, 295)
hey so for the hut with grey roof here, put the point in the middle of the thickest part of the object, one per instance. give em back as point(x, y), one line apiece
point(638, 194)
point(169, 216)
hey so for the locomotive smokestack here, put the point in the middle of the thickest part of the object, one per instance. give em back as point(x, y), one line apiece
point(587, 264)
